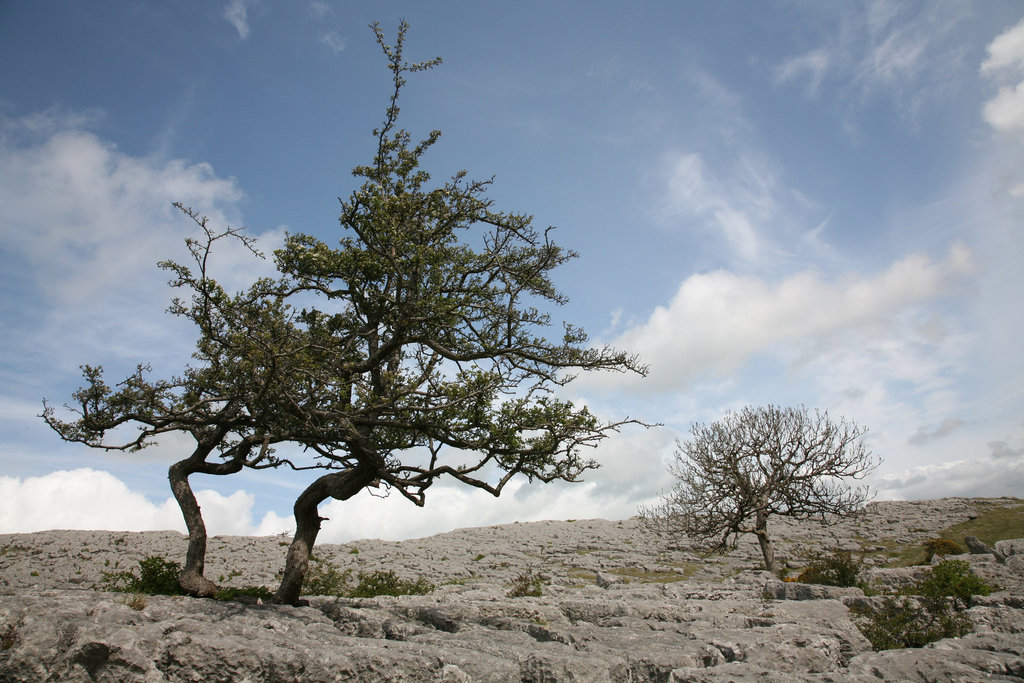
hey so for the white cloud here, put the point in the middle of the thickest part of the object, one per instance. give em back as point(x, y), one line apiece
point(319, 9)
point(1006, 51)
point(812, 65)
point(84, 226)
point(983, 476)
point(1005, 111)
point(91, 499)
point(333, 41)
point(237, 14)
point(741, 205)
point(716, 321)
point(908, 53)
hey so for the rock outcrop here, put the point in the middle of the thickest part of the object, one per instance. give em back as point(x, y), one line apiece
point(616, 606)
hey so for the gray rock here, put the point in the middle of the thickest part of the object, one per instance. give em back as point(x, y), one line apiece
point(976, 547)
point(618, 606)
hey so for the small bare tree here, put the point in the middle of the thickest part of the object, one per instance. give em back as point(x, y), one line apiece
point(735, 473)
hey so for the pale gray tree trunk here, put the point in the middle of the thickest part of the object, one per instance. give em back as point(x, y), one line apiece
point(767, 549)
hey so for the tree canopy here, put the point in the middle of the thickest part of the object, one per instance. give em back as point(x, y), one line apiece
point(733, 474)
point(412, 348)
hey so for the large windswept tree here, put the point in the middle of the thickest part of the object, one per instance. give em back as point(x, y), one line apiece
point(435, 305)
point(736, 473)
point(243, 394)
point(419, 354)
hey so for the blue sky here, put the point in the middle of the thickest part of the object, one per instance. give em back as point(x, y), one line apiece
point(773, 202)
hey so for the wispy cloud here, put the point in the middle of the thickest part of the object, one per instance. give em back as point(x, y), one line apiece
point(903, 52)
point(319, 9)
point(744, 202)
point(333, 41)
point(237, 14)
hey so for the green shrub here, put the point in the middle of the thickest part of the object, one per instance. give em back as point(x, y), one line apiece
point(323, 578)
point(952, 579)
point(837, 569)
point(388, 583)
point(938, 610)
point(941, 547)
point(156, 576)
point(904, 622)
point(526, 584)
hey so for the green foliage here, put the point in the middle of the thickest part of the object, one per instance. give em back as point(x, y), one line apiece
point(323, 578)
point(837, 569)
point(905, 622)
point(156, 576)
point(941, 546)
point(527, 584)
point(935, 609)
point(952, 579)
point(388, 583)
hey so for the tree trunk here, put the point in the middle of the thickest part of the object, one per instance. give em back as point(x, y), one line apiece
point(767, 549)
point(191, 580)
point(339, 485)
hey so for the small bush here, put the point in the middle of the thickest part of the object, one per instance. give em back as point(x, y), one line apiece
point(904, 622)
point(388, 583)
point(837, 569)
point(938, 610)
point(156, 576)
point(323, 578)
point(952, 579)
point(941, 547)
point(526, 584)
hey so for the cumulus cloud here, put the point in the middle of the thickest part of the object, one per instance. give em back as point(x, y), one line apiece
point(237, 14)
point(92, 499)
point(718, 320)
point(1005, 64)
point(85, 225)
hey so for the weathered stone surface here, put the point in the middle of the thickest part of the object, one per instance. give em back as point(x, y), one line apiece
point(618, 607)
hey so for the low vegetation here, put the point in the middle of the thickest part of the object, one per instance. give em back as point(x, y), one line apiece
point(156, 576)
point(839, 568)
point(527, 585)
point(934, 608)
point(323, 578)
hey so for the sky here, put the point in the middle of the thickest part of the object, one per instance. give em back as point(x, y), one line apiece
point(794, 203)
